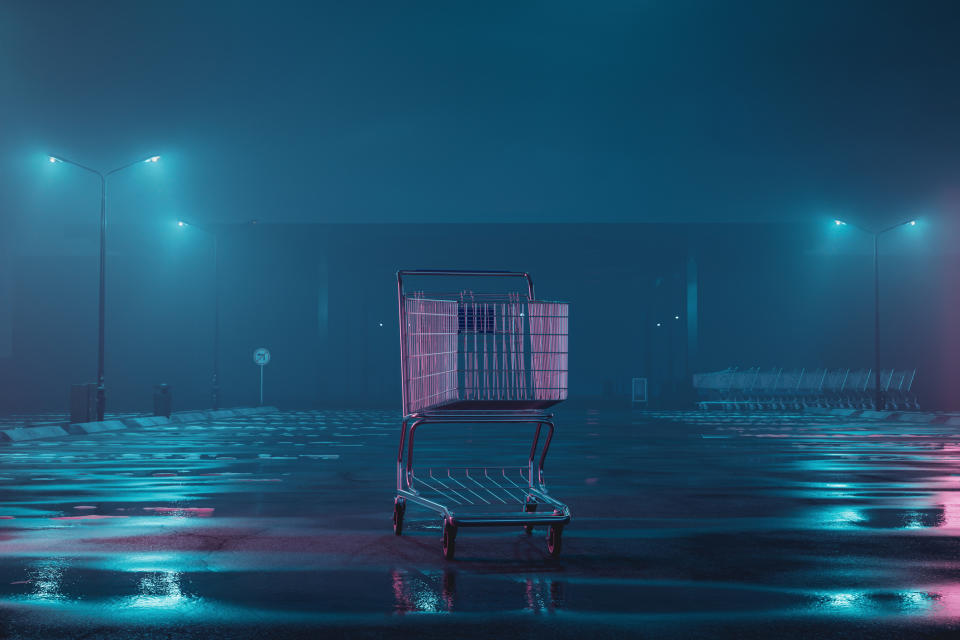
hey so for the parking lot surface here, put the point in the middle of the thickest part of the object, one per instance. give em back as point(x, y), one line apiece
point(684, 523)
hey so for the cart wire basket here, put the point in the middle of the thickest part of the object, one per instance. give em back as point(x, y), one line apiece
point(471, 357)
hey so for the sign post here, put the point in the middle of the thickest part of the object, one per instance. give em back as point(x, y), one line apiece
point(260, 358)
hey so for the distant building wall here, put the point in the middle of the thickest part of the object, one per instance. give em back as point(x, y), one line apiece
point(317, 295)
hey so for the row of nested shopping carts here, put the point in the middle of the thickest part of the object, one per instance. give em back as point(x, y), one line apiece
point(779, 389)
point(496, 356)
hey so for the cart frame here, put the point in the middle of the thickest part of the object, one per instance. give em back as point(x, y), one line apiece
point(453, 496)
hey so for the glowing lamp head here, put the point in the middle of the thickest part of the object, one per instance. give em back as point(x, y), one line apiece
point(913, 223)
point(152, 159)
point(53, 159)
point(840, 223)
point(181, 223)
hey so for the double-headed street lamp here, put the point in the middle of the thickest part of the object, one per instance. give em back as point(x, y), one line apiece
point(878, 396)
point(215, 390)
point(101, 392)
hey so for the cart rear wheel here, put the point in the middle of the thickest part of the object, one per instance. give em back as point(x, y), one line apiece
point(449, 540)
point(554, 540)
point(398, 509)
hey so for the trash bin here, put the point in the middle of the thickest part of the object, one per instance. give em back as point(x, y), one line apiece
point(162, 400)
point(83, 402)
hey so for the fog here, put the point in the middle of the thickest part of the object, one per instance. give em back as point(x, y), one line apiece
point(634, 157)
point(316, 295)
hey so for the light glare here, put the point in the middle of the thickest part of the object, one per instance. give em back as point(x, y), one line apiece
point(52, 159)
point(913, 223)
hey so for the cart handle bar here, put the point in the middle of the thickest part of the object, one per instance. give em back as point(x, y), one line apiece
point(456, 272)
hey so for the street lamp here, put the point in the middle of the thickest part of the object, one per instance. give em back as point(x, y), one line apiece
point(877, 398)
point(215, 389)
point(101, 392)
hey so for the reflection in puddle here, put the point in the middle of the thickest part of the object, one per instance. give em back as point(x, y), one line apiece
point(883, 518)
point(436, 592)
point(159, 590)
point(840, 518)
point(917, 601)
point(942, 601)
point(543, 595)
point(423, 593)
point(47, 578)
point(844, 601)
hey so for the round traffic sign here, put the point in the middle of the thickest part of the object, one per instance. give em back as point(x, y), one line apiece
point(261, 356)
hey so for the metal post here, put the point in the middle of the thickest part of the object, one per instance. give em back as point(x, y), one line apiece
point(101, 390)
point(216, 324)
point(261, 385)
point(877, 399)
point(101, 386)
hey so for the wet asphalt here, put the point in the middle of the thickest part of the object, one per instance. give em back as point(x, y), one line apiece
point(685, 524)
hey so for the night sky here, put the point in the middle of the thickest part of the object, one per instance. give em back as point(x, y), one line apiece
point(475, 112)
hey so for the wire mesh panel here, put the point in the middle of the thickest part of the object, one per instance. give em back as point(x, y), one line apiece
point(549, 327)
point(430, 365)
point(482, 351)
point(493, 351)
point(512, 351)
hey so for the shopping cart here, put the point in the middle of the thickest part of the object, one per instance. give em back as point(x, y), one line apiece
point(470, 357)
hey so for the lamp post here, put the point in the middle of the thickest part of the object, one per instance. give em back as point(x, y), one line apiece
point(877, 394)
point(101, 390)
point(215, 381)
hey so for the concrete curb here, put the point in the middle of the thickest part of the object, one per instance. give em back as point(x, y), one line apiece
point(20, 434)
point(917, 417)
point(148, 421)
point(80, 428)
point(844, 412)
point(31, 433)
point(188, 416)
point(871, 414)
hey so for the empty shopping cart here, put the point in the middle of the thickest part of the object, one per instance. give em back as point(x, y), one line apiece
point(480, 357)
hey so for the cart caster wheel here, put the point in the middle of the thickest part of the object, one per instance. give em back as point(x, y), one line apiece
point(554, 540)
point(449, 541)
point(529, 507)
point(399, 507)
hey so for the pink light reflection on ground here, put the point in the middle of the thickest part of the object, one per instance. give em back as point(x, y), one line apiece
point(947, 600)
point(949, 501)
point(948, 498)
point(202, 512)
point(91, 516)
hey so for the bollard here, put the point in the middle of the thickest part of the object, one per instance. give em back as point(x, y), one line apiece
point(162, 400)
point(83, 404)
